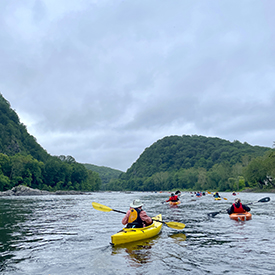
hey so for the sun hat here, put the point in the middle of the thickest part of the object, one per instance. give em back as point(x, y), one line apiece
point(136, 204)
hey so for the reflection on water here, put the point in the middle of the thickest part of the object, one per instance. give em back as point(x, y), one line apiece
point(178, 237)
point(136, 252)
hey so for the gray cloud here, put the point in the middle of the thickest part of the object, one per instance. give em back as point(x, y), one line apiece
point(103, 80)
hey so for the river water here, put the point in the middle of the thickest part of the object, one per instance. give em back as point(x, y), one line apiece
point(66, 235)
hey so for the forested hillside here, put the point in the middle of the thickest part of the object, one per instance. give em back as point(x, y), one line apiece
point(196, 163)
point(14, 136)
point(175, 162)
point(24, 161)
point(106, 174)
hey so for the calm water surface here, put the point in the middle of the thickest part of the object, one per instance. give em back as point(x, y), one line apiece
point(65, 235)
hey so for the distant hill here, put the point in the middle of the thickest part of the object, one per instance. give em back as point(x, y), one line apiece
point(183, 152)
point(105, 173)
point(196, 162)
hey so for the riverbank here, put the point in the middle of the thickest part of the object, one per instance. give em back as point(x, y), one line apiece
point(22, 190)
point(257, 190)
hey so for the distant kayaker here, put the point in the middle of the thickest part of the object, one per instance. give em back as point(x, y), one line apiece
point(173, 198)
point(136, 216)
point(238, 207)
point(216, 195)
point(199, 194)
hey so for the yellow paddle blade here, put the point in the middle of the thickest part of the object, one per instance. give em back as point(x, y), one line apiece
point(175, 225)
point(225, 199)
point(101, 207)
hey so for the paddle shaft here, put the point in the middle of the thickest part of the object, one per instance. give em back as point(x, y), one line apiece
point(104, 208)
point(119, 211)
point(126, 213)
point(169, 224)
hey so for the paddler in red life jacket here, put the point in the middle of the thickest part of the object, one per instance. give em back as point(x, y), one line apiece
point(136, 216)
point(173, 198)
point(238, 207)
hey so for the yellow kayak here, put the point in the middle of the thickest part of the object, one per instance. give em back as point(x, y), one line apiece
point(217, 199)
point(127, 235)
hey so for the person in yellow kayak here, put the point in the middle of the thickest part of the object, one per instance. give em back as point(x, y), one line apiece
point(216, 195)
point(136, 216)
point(238, 207)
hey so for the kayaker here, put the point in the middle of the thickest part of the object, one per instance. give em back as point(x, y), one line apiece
point(173, 198)
point(136, 216)
point(238, 207)
point(216, 195)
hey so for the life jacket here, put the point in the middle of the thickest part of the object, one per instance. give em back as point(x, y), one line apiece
point(174, 198)
point(238, 209)
point(134, 219)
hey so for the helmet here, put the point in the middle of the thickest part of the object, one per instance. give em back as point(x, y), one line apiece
point(172, 194)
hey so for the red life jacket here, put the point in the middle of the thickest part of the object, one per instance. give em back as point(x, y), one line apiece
point(238, 210)
point(174, 198)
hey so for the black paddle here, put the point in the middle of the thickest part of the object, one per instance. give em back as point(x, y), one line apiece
point(213, 214)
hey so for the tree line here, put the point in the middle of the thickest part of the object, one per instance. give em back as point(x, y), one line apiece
point(106, 174)
point(56, 173)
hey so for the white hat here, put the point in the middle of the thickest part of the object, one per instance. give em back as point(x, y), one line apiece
point(136, 204)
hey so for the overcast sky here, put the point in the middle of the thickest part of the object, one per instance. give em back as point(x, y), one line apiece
point(102, 80)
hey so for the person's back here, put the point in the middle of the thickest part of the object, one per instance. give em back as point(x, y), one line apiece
point(216, 195)
point(238, 207)
point(136, 216)
point(173, 198)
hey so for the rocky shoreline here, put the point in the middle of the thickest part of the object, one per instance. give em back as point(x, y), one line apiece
point(22, 190)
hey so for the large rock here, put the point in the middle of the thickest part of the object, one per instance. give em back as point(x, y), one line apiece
point(22, 190)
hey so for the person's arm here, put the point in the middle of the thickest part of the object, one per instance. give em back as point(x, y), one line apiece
point(169, 199)
point(246, 208)
point(145, 217)
point(126, 217)
point(230, 210)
